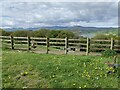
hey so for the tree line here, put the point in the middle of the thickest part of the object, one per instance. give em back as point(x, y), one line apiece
point(40, 33)
point(53, 34)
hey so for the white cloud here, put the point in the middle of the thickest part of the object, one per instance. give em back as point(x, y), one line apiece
point(60, 0)
point(35, 14)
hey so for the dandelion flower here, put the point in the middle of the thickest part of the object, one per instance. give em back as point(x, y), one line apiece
point(85, 86)
point(74, 84)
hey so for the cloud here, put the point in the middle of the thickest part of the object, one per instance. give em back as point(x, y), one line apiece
point(60, 1)
point(35, 14)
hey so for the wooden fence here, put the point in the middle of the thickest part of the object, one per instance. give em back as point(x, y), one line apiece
point(84, 44)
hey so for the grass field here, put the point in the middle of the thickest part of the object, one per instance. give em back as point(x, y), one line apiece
point(22, 69)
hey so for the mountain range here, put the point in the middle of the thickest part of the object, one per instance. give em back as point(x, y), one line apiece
point(81, 28)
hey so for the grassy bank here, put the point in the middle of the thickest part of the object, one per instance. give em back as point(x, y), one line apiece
point(25, 69)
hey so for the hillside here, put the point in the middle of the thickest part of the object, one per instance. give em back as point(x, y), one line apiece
point(80, 30)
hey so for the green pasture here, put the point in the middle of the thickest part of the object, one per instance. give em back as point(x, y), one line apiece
point(22, 69)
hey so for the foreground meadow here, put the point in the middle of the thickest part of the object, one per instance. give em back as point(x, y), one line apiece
point(30, 70)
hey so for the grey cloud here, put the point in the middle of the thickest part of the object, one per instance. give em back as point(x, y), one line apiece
point(51, 13)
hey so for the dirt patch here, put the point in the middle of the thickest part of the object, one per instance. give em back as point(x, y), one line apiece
point(62, 52)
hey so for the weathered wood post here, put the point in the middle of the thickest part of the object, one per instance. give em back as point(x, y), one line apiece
point(79, 44)
point(88, 46)
point(66, 45)
point(12, 42)
point(47, 45)
point(112, 44)
point(28, 40)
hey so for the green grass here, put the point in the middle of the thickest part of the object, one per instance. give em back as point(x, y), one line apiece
point(25, 69)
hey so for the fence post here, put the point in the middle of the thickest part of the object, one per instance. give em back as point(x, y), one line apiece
point(88, 46)
point(12, 42)
point(47, 45)
point(112, 44)
point(80, 44)
point(28, 40)
point(66, 45)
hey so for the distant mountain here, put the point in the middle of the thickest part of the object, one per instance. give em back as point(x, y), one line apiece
point(81, 28)
point(78, 30)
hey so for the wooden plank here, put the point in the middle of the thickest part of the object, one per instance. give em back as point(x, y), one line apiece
point(57, 46)
point(117, 49)
point(7, 44)
point(20, 38)
point(78, 44)
point(6, 40)
point(74, 44)
point(20, 49)
point(116, 40)
point(20, 41)
point(83, 44)
point(116, 45)
point(74, 39)
point(5, 37)
point(60, 39)
point(20, 44)
point(35, 38)
point(77, 40)
point(100, 44)
point(100, 40)
point(40, 42)
point(83, 48)
point(57, 43)
point(98, 48)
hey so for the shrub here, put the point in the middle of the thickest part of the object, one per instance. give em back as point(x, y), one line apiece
point(40, 33)
point(53, 33)
point(106, 36)
point(21, 33)
point(109, 53)
point(65, 33)
point(5, 33)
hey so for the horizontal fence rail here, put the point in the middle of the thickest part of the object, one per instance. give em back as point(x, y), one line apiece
point(83, 44)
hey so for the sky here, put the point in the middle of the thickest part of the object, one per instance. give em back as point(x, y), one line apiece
point(29, 14)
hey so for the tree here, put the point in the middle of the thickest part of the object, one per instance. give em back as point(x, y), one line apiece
point(21, 33)
point(40, 33)
point(53, 33)
point(65, 33)
point(4, 33)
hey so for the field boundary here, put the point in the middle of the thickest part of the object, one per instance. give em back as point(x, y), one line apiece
point(86, 45)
